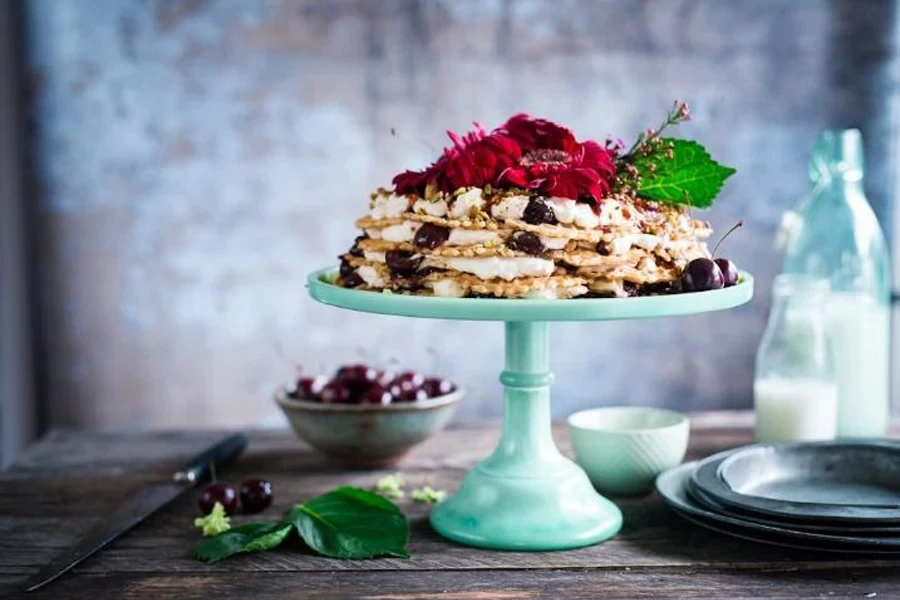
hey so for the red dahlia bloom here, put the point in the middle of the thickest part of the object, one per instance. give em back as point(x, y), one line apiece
point(525, 152)
point(538, 134)
point(475, 159)
point(586, 172)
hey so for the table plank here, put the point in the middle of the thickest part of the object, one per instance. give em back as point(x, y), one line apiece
point(71, 480)
point(490, 585)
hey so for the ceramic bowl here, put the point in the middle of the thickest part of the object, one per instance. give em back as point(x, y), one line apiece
point(624, 448)
point(367, 434)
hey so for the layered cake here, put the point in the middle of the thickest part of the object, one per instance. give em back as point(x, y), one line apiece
point(528, 211)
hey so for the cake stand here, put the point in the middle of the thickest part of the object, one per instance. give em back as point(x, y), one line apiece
point(526, 495)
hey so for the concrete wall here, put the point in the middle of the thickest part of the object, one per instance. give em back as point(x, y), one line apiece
point(197, 159)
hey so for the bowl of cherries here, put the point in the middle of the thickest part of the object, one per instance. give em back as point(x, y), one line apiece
point(363, 416)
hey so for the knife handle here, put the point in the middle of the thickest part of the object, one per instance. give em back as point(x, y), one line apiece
point(221, 455)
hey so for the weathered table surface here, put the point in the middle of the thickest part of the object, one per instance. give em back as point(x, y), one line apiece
point(68, 481)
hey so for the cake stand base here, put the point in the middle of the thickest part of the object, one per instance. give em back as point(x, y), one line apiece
point(527, 495)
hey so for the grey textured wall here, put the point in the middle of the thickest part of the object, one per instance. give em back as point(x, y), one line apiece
point(197, 159)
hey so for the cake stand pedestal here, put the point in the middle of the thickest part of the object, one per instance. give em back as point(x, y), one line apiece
point(526, 495)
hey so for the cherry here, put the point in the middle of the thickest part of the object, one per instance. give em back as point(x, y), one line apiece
point(730, 273)
point(402, 263)
point(256, 495)
point(700, 275)
point(221, 493)
point(355, 250)
point(346, 269)
point(377, 394)
point(356, 373)
point(527, 242)
point(407, 381)
point(335, 392)
point(435, 387)
point(385, 377)
point(430, 236)
point(537, 212)
point(353, 280)
point(412, 395)
point(309, 387)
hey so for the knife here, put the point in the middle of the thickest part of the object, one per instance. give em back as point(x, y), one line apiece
point(144, 503)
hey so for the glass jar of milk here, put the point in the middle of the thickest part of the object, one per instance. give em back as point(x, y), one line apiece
point(834, 235)
point(794, 392)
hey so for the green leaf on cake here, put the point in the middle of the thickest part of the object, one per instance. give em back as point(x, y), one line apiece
point(681, 172)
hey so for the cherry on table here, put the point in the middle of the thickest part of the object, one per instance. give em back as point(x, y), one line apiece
point(221, 493)
point(256, 495)
point(700, 275)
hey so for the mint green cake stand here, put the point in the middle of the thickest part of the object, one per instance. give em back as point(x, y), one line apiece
point(526, 495)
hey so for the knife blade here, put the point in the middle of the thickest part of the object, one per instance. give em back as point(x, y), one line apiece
point(141, 505)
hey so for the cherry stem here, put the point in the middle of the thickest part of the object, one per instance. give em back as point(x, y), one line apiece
point(212, 472)
point(737, 225)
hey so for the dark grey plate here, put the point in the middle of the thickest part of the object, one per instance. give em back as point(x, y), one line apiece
point(672, 486)
point(851, 529)
point(837, 482)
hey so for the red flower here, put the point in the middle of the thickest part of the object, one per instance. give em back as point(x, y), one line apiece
point(475, 159)
point(524, 152)
point(584, 173)
point(538, 134)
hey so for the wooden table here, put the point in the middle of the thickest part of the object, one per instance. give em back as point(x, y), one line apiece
point(68, 481)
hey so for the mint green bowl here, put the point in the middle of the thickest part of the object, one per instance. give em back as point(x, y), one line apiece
point(623, 448)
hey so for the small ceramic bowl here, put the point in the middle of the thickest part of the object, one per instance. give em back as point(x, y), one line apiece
point(624, 448)
point(366, 434)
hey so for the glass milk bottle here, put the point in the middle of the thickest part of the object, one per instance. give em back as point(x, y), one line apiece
point(834, 235)
point(794, 392)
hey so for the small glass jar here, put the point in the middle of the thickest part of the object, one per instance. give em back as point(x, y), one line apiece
point(794, 390)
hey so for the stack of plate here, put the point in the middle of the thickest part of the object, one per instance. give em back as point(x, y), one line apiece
point(830, 496)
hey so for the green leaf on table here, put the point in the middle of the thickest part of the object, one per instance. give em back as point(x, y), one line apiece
point(250, 537)
point(687, 175)
point(352, 523)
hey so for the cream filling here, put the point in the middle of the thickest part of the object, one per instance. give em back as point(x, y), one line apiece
point(467, 203)
point(554, 243)
point(404, 232)
point(472, 237)
point(569, 211)
point(611, 213)
point(385, 207)
point(371, 276)
point(496, 267)
point(622, 244)
point(510, 208)
point(435, 209)
point(374, 256)
point(447, 288)
point(556, 293)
